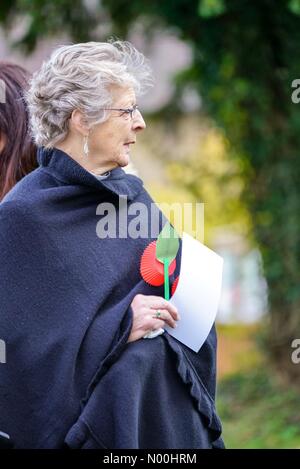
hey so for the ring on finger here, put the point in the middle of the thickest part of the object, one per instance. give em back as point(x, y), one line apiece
point(158, 314)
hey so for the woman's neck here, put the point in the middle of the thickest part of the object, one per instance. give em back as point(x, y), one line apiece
point(86, 162)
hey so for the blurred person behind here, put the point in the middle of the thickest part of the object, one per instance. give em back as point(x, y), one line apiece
point(17, 150)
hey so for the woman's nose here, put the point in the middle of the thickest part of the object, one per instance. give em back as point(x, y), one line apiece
point(138, 122)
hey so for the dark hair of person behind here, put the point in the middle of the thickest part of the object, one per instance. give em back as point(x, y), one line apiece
point(18, 157)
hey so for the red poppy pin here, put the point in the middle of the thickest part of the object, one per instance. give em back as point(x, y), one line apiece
point(158, 261)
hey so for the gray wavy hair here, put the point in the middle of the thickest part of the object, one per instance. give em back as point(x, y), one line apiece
point(79, 76)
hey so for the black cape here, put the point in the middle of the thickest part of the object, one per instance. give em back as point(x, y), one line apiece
point(65, 294)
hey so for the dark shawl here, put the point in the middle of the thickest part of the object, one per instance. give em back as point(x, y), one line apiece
point(65, 295)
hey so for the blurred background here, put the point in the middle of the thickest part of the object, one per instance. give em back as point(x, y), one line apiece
point(222, 129)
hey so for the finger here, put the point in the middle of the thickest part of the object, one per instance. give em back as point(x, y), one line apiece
point(157, 302)
point(164, 305)
point(165, 317)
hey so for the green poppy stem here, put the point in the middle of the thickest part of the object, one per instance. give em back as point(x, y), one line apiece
point(166, 275)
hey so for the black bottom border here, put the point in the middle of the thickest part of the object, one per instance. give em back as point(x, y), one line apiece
point(139, 458)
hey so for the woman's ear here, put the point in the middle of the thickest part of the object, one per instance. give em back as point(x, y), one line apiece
point(78, 122)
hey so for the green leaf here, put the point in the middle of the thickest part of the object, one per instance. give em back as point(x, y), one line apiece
point(167, 244)
point(294, 6)
point(210, 8)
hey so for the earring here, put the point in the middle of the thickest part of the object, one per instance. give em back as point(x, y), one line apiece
point(85, 146)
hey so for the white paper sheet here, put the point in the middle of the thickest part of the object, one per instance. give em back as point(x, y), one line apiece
point(197, 294)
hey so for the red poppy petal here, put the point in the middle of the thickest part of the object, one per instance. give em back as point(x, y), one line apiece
point(151, 269)
point(174, 286)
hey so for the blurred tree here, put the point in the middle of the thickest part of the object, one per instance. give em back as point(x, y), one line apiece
point(246, 55)
point(197, 167)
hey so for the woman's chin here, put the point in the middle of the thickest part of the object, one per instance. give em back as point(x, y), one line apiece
point(124, 160)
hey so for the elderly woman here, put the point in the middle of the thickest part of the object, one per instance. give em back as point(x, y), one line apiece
point(17, 151)
point(76, 311)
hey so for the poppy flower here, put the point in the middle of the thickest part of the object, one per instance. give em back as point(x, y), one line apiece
point(151, 269)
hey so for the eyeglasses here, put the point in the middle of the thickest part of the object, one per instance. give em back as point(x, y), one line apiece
point(125, 112)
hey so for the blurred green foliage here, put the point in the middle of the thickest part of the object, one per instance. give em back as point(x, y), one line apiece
point(257, 411)
point(191, 150)
point(257, 408)
point(245, 57)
